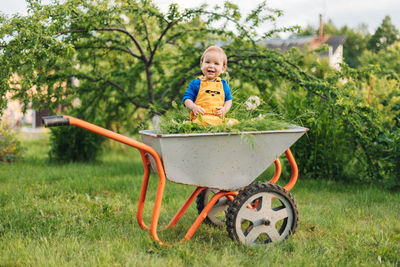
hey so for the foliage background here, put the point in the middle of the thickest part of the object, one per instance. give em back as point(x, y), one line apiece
point(127, 61)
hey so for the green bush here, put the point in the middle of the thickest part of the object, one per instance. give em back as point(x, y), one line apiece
point(324, 151)
point(72, 144)
point(390, 164)
point(10, 147)
point(350, 139)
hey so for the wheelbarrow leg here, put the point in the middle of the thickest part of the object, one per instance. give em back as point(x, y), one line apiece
point(278, 171)
point(143, 191)
point(295, 170)
point(158, 200)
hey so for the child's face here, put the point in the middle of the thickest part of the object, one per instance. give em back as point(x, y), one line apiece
point(212, 65)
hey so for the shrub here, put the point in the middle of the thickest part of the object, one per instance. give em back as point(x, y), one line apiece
point(10, 147)
point(72, 144)
point(390, 163)
point(349, 138)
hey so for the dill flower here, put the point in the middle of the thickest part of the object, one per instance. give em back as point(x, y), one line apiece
point(252, 102)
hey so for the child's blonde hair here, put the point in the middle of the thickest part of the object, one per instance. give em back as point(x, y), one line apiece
point(217, 49)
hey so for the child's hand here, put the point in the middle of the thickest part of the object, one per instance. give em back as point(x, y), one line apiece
point(220, 111)
point(198, 109)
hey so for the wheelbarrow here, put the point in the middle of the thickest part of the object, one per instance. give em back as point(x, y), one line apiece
point(223, 167)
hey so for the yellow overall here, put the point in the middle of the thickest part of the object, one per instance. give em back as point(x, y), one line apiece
point(211, 95)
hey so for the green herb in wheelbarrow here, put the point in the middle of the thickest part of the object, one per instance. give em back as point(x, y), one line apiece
point(251, 114)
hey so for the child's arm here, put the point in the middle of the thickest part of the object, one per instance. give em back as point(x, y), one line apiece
point(190, 96)
point(221, 111)
point(193, 107)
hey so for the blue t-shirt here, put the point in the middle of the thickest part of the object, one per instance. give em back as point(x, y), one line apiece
point(194, 87)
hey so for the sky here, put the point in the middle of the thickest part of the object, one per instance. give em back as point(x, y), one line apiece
point(296, 12)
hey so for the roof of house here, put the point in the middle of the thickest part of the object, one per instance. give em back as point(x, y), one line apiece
point(336, 40)
point(312, 42)
point(286, 44)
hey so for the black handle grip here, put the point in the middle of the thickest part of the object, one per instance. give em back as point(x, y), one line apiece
point(50, 121)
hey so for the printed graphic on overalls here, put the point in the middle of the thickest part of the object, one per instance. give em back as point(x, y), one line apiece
point(213, 93)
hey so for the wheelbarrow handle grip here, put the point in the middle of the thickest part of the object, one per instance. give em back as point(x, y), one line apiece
point(51, 121)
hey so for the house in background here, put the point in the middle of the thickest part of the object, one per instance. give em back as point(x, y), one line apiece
point(14, 116)
point(334, 42)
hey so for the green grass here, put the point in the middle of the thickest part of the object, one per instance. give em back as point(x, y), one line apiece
point(84, 214)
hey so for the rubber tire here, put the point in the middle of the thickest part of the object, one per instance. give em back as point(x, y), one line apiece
point(245, 194)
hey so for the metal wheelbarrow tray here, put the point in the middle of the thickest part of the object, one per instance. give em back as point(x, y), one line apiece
point(219, 164)
point(225, 161)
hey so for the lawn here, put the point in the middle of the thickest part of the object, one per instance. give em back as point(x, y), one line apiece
point(84, 214)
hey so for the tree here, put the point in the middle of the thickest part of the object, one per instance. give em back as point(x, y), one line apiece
point(384, 36)
point(388, 60)
point(355, 45)
point(120, 56)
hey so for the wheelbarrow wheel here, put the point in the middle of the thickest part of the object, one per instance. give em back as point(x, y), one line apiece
point(217, 215)
point(262, 213)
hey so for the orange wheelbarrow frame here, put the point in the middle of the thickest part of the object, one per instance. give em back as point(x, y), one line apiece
point(147, 151)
